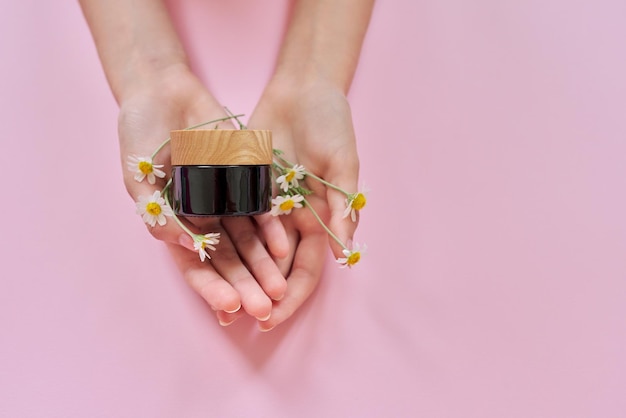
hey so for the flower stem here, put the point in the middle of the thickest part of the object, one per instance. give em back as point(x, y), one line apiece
point(327, 229)
point(280, 157)
point(321, 180)
point(167, 201)
point(167, 141)
point(236, 117)
point(308, 173)
point(277, 166)
point(167, 186)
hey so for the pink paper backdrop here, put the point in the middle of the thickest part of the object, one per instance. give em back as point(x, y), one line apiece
point(493, 136)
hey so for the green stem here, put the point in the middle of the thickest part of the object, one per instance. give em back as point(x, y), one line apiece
point(241, 125)
point(278, 166)
point(178, 221)
point(308, 173)
point(167, 141)
point(167, 186)
point(327, 229)
point(280, 157)
point(332, 186)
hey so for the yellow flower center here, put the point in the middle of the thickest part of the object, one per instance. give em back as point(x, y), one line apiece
point(359, 202)
point(354, 258)
point(290, 175)
point(286, 205)
point(145, 167)
point(153, 208)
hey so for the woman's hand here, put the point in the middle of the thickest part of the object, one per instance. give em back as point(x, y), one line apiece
point(312, 124)
point(241, 271)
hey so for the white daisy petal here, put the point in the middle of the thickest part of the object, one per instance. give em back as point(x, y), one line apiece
point(355, 203)
point(158, 173)
point(352, 256)
point(203, 242)
point(150, 220)
point(282, 205)
point(291, 177)
point(346, 212)
point(153, 209)
point(167, 211)
point(144, 167)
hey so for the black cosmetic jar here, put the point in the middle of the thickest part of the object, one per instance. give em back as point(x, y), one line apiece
point(221, 172)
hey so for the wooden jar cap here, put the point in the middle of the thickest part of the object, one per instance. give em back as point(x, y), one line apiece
point(221, 147)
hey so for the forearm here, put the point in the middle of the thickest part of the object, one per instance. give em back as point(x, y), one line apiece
point(135, 41)
point(324, 40)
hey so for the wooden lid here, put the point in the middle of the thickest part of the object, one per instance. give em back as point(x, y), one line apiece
point(221, 147)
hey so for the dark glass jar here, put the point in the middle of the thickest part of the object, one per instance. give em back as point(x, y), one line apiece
point(221, 172)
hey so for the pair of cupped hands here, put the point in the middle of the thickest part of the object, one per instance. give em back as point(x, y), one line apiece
point(264, 266)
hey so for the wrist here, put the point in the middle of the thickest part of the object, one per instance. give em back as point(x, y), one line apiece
point(292, 91)
point(309, 75)
point(149, 76)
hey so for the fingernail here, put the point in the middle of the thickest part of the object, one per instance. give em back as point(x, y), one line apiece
point(185, 241)
point(233, 311)
point(266, 318)
point(279, 298)
point(266, 329)
point(226, 323)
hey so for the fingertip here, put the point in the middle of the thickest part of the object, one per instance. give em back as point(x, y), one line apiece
point(265, 318)
point(275, 288)
point(230, 311)
point(228, 302)
point(279, 250)
point(268, 324)
point(226, 323)
point(217, 293)
point(225, 319)
point(279, 297)
point(264, 327)
point(259, 307)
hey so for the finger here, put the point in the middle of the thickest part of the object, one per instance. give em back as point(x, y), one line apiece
point(293, 237)
point(305, 274)
point(243, 233)
point(229, 265)
point(274, 234)
point(226, 318)
point(345, 176)
point(205, 281)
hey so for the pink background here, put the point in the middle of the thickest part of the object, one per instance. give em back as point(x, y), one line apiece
point(493, 136)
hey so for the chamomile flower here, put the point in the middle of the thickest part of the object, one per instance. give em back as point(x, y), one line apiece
point(153, 209)
point(291, 177)
point(352, 256)
point(282, 205)
point(144, 167)
point(354, 203)
point(203, 242)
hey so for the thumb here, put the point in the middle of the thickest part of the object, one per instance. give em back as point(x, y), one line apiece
point(343, 218)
